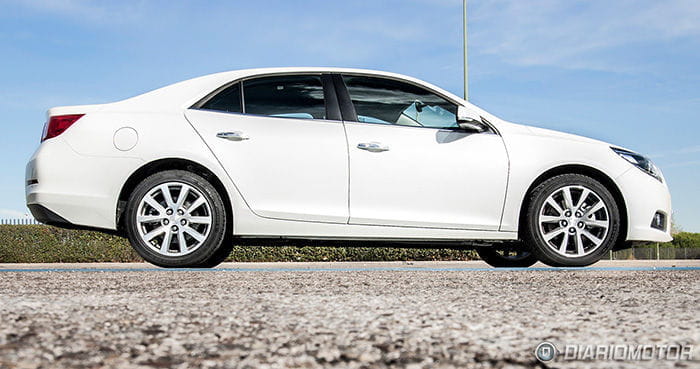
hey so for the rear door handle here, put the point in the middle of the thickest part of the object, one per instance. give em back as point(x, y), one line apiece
point(372, 146)
point(233, 136)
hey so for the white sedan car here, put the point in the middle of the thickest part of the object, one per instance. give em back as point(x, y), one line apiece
point(338, 154)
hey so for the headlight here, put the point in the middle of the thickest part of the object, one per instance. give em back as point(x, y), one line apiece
point(640, 161)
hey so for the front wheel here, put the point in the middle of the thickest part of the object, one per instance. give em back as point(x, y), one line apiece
point(176, 218)
point(571, 220)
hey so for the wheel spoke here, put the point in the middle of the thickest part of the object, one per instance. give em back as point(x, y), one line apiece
point(165, 189)
point(165, 245)
point(579, 244)
point(595, 239)
point(197, 203)
point(152, 234)
point(599, 205)
point(564, 244)
point(582, 199)
point(196, 235)
point(567, 198)
point(549, 236)
point(148, 218)
point(154, 204)
point(182, 244)
point(550, 219)
point(184, 191)
point(556, 206)
point(199, 220)
point(598, 223)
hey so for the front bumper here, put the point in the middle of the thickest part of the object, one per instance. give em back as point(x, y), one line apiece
point(644, 197)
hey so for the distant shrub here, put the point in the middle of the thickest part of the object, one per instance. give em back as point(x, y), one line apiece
point(45, 244)
point(686, 240)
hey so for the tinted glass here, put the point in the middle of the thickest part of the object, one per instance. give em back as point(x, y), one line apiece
point(228, 100)
point(386, 101)
point(285, 96)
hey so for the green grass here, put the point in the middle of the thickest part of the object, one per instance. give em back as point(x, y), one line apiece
point(45, 244)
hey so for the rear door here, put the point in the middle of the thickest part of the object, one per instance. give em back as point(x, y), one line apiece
point(281, 141)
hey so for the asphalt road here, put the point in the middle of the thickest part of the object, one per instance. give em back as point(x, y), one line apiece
point(345, 315)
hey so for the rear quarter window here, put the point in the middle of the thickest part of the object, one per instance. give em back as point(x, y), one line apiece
point(228, 100)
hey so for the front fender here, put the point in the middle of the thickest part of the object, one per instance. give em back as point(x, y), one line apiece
point(532, 157)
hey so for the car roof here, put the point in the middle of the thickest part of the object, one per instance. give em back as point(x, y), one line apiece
point(182, 95)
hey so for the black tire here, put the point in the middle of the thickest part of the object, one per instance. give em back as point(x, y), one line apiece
point(513, 257)
point(220, 255)
point(212, 249)
point(536, 241)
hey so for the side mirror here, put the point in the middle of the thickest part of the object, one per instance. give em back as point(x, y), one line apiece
point(467, 122)
point(420, 105)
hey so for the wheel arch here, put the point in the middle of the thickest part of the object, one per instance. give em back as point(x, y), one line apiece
point(587, 171)
point(171, 164)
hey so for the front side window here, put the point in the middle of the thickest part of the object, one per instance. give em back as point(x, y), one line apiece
point(386, 101)
point(298, 97)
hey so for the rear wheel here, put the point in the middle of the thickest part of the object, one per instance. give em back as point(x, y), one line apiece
point(509, 256)
point(176, 218)
point(571, 220)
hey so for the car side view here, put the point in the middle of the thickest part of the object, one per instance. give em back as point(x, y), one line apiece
point(337, 154)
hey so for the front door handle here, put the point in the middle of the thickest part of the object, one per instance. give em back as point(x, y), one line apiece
point(233, 136)
point(372, 146)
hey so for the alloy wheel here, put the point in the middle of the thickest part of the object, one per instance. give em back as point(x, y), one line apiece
point(174, 219)
point(574, 221)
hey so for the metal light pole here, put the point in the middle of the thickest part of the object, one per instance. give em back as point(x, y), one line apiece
point(466, 60)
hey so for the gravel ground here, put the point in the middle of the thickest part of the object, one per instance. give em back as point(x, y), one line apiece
point(343, 319)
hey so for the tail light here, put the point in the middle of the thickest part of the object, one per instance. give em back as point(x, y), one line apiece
point(58, 124)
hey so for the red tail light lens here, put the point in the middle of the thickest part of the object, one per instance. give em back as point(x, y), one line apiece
point(59, 124)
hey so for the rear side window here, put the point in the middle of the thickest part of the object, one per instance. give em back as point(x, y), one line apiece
point(298, 97)
point(228, 100)
point(386, 101)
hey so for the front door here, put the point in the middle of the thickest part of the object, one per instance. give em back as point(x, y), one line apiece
point(411, 166)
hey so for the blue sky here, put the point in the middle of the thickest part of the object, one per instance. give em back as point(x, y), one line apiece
point(622, 71)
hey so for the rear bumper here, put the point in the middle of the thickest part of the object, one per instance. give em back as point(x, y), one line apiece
point(644, 197)
point(71, 190)
point(46, 216)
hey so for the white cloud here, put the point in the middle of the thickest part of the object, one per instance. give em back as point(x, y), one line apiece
point(577, 34)
point(690, 163)
point(361, 35)
point(572, 34)
point(690, 149)
point(681, 151)
point(89, 11)
point(13, 214)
